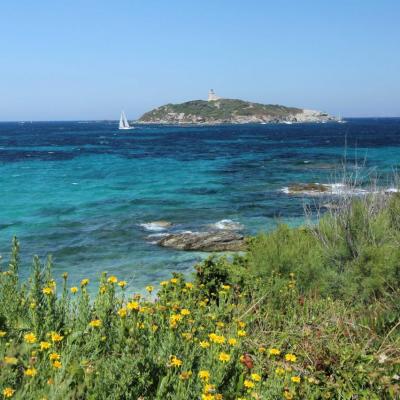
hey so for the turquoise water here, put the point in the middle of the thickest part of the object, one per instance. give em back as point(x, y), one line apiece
point(81, 191)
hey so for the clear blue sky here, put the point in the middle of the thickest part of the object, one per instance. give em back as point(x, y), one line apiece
point(87, 59)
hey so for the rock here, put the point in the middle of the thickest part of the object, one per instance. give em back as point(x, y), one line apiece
point(222, 240)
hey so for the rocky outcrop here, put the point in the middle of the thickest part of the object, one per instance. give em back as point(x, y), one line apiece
point(222, 240)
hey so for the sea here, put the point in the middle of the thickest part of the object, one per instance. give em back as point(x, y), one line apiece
point(89, 194)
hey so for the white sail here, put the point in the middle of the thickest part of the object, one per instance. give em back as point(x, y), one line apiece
point(123, 122)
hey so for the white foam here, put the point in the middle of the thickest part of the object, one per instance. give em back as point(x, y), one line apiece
point(228, 224)
point(154, 226)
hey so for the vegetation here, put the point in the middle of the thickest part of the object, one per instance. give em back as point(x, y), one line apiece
point(308, 313)
point(223, 110)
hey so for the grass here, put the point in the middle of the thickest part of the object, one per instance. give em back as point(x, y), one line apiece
point(307, 313)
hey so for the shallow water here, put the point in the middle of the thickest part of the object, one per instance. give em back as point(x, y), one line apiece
point(83, 191)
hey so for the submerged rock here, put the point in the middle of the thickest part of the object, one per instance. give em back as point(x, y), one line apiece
point(222, 240)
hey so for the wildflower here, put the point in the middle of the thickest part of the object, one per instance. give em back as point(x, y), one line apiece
point(274, 352)
point(154, 328)
point(187, 335)
point(44, 345)
point(220, 324)
point(290, 357)
point(185, 311)
point(95, 323)
point(288, 395)
point(30, 338)
point(47, 291)
point(56, 337)
point(208, 388)
point(202, 304)
point(207, 396)
point(232, 341)
point(2, 334)
point(241, 333)
point(224, 357)
point(280, 371)
point(175, 361)
point(262, 349)
point(204, 344)
point(10, 360)
point(248, 384)
point(185, 375)
point(32, 305)
point(30, 371)
point(122, 312)
point(241, 324)
point(189, 285)
point(225, 287)
point(112, 279)
point(84, 282)
point(54, 356)
point(133, 305)
point(8, 392)
point(57, 364)
point(174, 281)
point(122, 284)
point(164, 283)
point(204, 375)
point(149, 288)
point(216, 338)
point(256, 377)
point(50, 381)
point(103, 289)
point(74, 289)
point(295, 379)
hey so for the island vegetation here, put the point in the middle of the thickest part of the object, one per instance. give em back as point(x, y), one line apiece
point(230, 111)
point(304, 313)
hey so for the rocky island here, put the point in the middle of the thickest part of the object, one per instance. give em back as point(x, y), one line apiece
point(230, 111)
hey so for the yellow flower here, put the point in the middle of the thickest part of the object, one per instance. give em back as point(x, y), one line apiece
point(207, 396)
point(202, 304)
point(54, 356)
point(44, 345)
point(2, 334)
point(47, 291)
point(241, 333)
point(112, 279)
point(122, 312)
point(208, 388)
point(185, 311)
point(256, 377)
point(175, 361)
point(174, 280)
point(103, 289)
point(290, 357)
point(248, 384)
point(220, 324)
point(164, 283)
point(56, 337)
point(224, 357)
point(204, 375)
point(242, 324)
point(133, 305)
point(262, 349)
point(10, 360)
point(189, 285)
point(204, 344)
point(30, 371)
point(185, 375)
point(74, 289)
point(274, 352)
point(154, 328)
point(216, 338)
point(8, 392)
point(95, 323)
point(32, 305)
point(232, 341)
point(288, 395)
point(280, 371)
point(187, 335)
point(30, 338)
point(295, 379)
point(149, 288)
point(57, 364)
point(84, 282)
point(225, 287)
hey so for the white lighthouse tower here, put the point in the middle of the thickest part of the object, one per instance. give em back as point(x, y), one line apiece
point(212, 96)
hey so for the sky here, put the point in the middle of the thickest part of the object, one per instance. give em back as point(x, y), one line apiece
point(88, 59)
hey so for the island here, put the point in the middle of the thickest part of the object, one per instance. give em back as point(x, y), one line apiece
point(218, 110)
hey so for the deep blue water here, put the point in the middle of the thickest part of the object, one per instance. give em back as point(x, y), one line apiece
point(82, 190)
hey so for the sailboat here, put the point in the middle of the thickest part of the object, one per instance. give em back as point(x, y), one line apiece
point(123, 122)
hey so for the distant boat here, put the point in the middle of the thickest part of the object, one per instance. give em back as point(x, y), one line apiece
point(341, 120)
point(123, 122)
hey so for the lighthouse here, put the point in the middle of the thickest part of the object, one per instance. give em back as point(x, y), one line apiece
point(212, 96)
